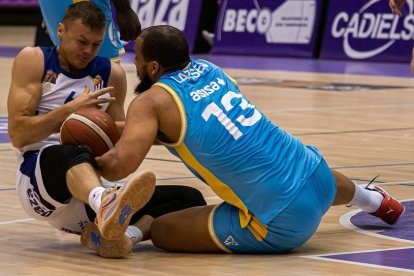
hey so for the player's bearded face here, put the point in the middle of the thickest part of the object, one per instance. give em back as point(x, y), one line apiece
point(144, 85)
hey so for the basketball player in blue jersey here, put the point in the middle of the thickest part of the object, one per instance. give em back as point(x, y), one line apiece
point(127, 21)
point(275, 189)
point(57, 183)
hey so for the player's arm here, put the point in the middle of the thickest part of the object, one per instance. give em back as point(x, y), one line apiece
point(141, 128)
point(24, 95)
point(25, 126)
point(396, 6)
point(128, 22)
point(117, 80)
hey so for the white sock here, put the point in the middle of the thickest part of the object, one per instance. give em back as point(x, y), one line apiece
point(95, 198)
point(134, 234)
point(367, 200)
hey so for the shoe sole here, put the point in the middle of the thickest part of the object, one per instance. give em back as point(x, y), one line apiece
point(131, 197)
point(92, 239)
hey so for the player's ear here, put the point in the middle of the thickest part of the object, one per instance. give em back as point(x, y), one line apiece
point(60, 30)
point(155, 68)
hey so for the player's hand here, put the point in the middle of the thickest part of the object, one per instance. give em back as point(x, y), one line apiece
point(396, 5)
point(128, 24)
point(88, 99)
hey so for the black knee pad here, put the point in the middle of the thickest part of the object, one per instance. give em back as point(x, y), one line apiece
point(170, 198)
point(55, 161)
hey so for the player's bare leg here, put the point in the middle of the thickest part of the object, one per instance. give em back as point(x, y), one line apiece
point(184, 231)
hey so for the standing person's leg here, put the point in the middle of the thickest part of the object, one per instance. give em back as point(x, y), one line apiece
point(412, 61)
point(371, 200)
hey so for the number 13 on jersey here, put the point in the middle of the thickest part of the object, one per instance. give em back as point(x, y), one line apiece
point(219, 113)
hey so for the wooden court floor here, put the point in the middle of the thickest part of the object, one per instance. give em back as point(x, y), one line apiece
point(363, 131)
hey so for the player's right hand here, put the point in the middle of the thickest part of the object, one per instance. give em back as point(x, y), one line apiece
point(87, 99)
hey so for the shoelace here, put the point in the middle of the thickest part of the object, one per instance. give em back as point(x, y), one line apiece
point(107, 191)
point(366, 187)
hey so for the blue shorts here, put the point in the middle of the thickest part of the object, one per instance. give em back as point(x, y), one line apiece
point(288, 230)
point(53, 11)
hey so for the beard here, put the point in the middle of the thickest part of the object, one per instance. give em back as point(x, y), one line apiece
point(144, 85)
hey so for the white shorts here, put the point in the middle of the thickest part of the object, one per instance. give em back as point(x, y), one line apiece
point(69, 217)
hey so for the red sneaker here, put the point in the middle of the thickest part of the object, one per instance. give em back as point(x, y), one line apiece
point(390, 210)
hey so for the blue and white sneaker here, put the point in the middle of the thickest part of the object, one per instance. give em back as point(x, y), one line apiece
point(119, 205)
point(92, 239)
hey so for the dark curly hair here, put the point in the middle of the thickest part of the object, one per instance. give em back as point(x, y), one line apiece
point(166, 45)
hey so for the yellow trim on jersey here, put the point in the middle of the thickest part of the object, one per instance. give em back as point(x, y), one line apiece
point(212, 232)
point(181, 109)
point(233, 80)
point(121, 51)
point(221, 189)
point(257, 228)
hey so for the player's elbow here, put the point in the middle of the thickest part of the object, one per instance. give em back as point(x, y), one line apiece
point(18, 141)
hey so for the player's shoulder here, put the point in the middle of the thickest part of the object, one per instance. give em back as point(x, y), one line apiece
point(155, 97)
point(30, 60)
point(30, 53)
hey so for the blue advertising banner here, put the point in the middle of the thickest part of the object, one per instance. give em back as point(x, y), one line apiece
point(267, 27)
point(182, 14)
point(367, 30)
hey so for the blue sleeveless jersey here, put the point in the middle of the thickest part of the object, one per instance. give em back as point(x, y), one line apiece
point(229, 144)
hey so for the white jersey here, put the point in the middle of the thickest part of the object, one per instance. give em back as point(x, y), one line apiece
point(60, 87)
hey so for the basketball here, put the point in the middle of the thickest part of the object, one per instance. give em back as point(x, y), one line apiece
point(91, 127)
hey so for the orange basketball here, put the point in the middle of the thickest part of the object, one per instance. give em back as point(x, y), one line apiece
point(92, 127)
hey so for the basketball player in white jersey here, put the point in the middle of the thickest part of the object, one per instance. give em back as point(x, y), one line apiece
point(57, 183)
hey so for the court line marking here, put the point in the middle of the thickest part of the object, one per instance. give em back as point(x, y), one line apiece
point(16, 221)
point(345, 220)
point(334, 108)
point(353, 131)
point(321, 258)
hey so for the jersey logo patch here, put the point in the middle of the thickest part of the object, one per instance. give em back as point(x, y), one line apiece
point(50, 76)
point(98, 83)
point(230, 241)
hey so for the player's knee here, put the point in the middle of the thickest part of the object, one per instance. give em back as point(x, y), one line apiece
point(160, 228)
point(55, 161)
point(79, 155)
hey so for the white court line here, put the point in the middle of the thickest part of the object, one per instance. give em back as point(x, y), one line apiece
point(321, 258)
point(345, 220)
point(387, 183)
point(15, 221)
point(333, 108)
